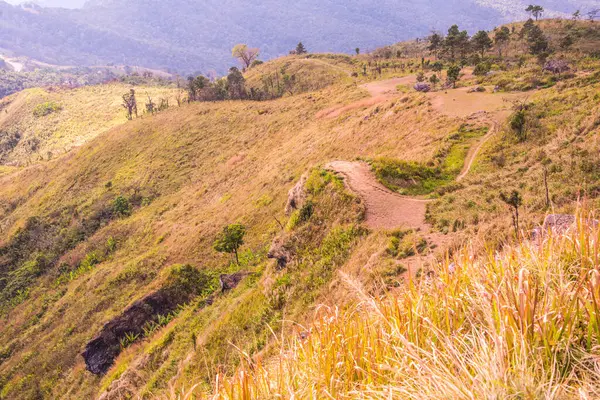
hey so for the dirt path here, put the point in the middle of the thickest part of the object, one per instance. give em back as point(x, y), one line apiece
point(474, 151)
point(384, 208)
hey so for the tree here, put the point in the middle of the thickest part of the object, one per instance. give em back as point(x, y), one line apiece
point(593, 14)
point(482, 69)
point(434, 80)
point(537, 41)
point(195, 87)
point(455, 42)
point(130, 104)
point(300, 49)
point(454, 74)
point(357, 50)
point(518, 122)
point(535, 11)
point(245, 54)
point(236, 84)
point(420, 77)
point(437, 66)
point(527, 26)
point(514, 201)
point(501, 39)
point(230, 240)
point(435, 43)
point(482, 42)
point(150, 105)
point(577, 15)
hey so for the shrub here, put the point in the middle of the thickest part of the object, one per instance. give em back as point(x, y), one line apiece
point(482, 69)
point(47, 108)
point(121, 206)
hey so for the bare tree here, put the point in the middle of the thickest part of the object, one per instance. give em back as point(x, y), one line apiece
point(130, 104)
point(245, 54)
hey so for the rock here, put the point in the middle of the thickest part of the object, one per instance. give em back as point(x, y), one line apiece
point(296, 196)
point(557, 66)
point(478, 89)
point(182, 286)
point(422, 87)
point(280, 252)
point(101, 351)
point(230, 281)
point(558, 224)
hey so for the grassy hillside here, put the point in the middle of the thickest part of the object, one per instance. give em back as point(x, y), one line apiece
point(87, 234)
point(40, 124)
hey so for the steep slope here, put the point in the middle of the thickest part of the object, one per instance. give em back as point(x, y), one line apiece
point(189, 36)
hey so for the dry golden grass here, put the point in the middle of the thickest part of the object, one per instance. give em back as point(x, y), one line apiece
point(85, 113)
point(522, 322)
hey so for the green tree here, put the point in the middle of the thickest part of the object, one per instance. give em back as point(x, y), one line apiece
point(537, 41)
point(435, 43)
point(482, 69)
point(535, 10)
point(236, 84)
point(357, 50)
point(230, 240)
point(518, 122)
point(502, 39)
point(300, 49)
point(245, 54)
point(482, 42)
point(434, 80)
point(456, 42)
point(454, 74)
point(514, 201)
point(577, 15)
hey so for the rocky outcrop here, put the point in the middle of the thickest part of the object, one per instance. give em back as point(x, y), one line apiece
point(296, 196)
point(558, 224)
point(280, 252)
point(557, 66)
point(101, 351)
point(231, 281)
point(183, 284)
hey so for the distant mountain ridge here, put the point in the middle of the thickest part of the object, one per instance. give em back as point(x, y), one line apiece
point(189, 36)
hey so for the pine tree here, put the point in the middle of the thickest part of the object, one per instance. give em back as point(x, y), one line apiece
point(300, 49)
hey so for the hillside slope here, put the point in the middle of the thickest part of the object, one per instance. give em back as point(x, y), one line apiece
point(39, 124)
point(107, 256)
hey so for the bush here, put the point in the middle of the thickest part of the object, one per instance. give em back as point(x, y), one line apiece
point(47, 108)
point(482, 69)
point(122, 207)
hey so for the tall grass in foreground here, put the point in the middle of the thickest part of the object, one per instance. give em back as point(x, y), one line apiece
point(523, 323)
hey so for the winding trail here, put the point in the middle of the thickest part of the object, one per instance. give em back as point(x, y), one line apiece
point(386, 209)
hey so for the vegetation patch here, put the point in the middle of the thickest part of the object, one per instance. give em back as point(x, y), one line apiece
point(47, 108)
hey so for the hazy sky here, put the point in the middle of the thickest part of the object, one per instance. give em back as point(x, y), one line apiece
point(53, 3)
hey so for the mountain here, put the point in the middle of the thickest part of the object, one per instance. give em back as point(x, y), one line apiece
point(323, 228)
point(188, 36)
